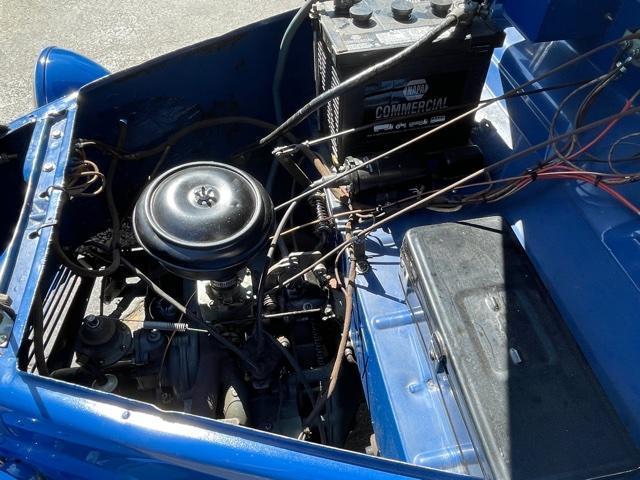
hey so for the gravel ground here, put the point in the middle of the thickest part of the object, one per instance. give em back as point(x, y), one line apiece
point(117, 34)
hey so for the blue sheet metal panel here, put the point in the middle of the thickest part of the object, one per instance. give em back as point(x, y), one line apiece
point(589, 263)
point(67, 431)
point(574, 266)
point(546, 20)
point(44, 149)
point(581, 270)
point(402, 389)
point(59, 72)
point(224, 76)
point(66, 416)
point(128, 439)
point(582, 242)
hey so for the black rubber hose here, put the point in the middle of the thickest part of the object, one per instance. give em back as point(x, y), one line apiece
point(202, 124)
point(359, 78)
point(283, 54)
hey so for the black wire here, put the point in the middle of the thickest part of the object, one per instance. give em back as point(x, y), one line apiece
point(428, 133)
point(586, 105)
point(206, 123)
point(350, 131)
point(357, 79)
point(633, 158)
point(504, 161)
point(265, 272)
point(283, 54)
point(459, 183)
point(554, 120)
point(584, 109)
point(300, 374)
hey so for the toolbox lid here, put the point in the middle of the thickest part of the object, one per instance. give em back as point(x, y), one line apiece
point(531, 402)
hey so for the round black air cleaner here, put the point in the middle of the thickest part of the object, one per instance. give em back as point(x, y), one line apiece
point(204, 220)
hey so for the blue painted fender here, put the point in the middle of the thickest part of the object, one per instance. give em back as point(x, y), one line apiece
point(59, 72)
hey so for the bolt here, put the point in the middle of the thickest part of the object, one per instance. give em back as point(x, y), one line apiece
point(268, 426)
point(415, 387)
point(284, 341)
point(515, 356)
point(48, 167)
point(56, 134)
point(3, 338)
point(126, 414)
point(91, 321)
point(362, 266)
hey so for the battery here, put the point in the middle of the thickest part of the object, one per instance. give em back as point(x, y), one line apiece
point(438, 82)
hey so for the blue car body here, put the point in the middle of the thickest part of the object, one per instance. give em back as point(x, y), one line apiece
point(590, 266)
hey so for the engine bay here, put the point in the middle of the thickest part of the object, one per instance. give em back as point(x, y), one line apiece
point(367, 273)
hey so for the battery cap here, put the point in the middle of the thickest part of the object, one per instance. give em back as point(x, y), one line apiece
point(440, 8)
point(342, 6)
point(361, 15)
point(402, 10)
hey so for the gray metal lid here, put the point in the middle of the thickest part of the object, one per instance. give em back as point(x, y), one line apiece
point(203, 218)
point(203, 206)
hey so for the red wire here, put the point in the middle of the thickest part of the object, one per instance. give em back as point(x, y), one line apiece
point(573, 174)
point(603, 134)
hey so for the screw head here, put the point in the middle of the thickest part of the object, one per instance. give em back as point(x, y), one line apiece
point(56, 134)
point(48, 167)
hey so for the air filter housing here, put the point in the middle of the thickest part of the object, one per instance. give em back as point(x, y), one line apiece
point(204, 220)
